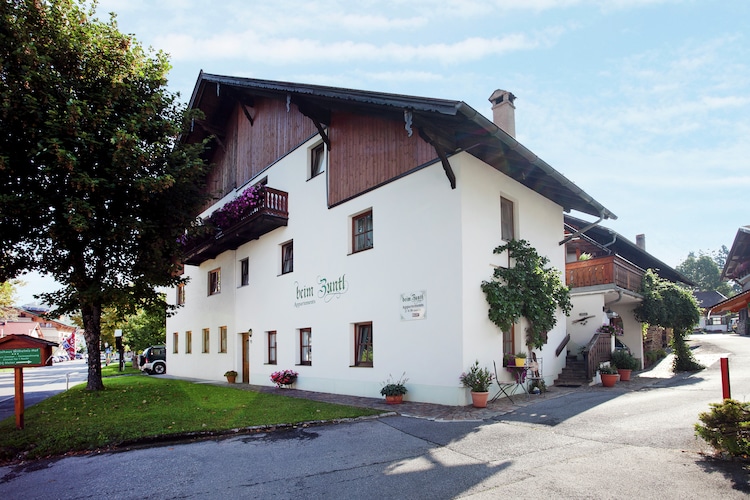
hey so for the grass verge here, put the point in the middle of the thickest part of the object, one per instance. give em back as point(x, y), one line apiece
point(141, 407)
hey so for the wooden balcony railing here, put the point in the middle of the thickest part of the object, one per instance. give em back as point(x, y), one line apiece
point(271, 214)
point(611, 270)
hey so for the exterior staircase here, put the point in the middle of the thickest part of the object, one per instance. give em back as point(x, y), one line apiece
point(573, 374)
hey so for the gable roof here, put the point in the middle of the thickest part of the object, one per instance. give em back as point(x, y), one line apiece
point(452, 126)
point(738, 260)
point(709, 298)
point(613, 242)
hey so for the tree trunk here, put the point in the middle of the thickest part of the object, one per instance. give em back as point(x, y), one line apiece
point(92, 315)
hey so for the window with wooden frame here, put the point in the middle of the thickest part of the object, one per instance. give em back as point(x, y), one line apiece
point(317, 160)
point(287, 257)
point(222, 339)
point(507, 224)
point(214, 281)
point(206, 340)
point(363, 344)
point(175, 342)
point(362, 232)
point(244, 272)
point(188, 342)
point(305, 346)
point(271, 347)
point(180, 295)
point(509, 343)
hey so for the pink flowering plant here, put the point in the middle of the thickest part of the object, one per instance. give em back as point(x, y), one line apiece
point(284, 377)
point(611, 329)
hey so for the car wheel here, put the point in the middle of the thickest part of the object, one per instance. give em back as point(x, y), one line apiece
point(159, 369)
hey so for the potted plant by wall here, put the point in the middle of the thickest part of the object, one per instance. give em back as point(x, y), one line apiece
point(625, 363)
point(609, 375)
point(394, 390)
point(509, 360)
point(478, 380)
point(520, 358)
point(284, 378)
point(231, 376)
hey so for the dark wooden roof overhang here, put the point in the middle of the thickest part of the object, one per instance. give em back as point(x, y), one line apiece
point(449, 126)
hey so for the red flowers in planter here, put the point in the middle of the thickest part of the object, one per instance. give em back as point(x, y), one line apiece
point(284, 377)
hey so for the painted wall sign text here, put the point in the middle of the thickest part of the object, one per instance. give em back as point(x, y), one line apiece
point(413, 305)
point(326, 289)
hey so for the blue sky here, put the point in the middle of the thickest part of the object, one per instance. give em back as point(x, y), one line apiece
point(645, 104)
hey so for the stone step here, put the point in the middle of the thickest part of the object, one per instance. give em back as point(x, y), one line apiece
point(573, 374)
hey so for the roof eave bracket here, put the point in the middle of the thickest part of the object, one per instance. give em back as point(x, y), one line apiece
point(443, 157)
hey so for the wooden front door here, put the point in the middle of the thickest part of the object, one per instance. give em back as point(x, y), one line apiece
point(245, 358)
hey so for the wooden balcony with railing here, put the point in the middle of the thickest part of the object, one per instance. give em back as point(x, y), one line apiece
point(610, 270)
point(271, 214)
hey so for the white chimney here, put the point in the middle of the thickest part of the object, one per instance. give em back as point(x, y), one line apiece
point(640, 241)
point(504, 111)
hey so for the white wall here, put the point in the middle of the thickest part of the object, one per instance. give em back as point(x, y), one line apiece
point(540, 222)
point(427, 238)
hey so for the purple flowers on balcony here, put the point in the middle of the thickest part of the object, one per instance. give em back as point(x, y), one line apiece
point(237, 209)
point(248, 202)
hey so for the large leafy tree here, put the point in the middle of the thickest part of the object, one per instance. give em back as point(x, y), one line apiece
point(529, 289)
point(704, 271)
point(97, 187)
point(668, 305)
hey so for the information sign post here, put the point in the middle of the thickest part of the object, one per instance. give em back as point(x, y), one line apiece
point(18, 352)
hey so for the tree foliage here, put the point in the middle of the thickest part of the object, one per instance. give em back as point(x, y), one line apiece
point(97, 187)
point(8, 298)
point(667, 305)
point(146, 327)
point(529, 290)
point(705, 272)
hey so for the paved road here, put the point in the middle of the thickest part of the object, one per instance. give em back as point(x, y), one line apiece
point(40, 383)
point(586, 444)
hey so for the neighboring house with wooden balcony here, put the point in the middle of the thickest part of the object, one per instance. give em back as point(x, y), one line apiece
point(360, 223)
point(604, 271)
point(737, 269)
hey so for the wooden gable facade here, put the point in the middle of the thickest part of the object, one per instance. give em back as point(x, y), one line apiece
point(366, 151)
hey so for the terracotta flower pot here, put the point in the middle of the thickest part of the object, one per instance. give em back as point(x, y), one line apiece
point(231, 379)
point(624, 374)
point(479, 399)
point(395, 400)
point(609, 379)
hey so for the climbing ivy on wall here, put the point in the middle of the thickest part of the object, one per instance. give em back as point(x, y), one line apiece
point(527, 290)
point(668, 305)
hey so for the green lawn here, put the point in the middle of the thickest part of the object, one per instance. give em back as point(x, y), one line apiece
point(136, 407)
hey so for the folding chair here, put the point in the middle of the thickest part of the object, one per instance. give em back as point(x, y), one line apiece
point(505, 388)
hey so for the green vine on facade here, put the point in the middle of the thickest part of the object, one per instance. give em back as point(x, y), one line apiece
point(527, 290)
point(668, 305)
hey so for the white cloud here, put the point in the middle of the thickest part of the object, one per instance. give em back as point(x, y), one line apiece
point(248, 46)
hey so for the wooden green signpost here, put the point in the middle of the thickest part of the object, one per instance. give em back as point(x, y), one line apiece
point(19, 351)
